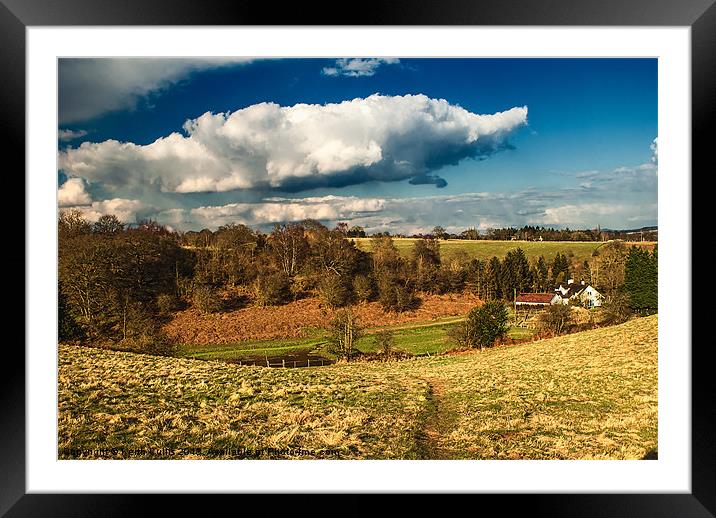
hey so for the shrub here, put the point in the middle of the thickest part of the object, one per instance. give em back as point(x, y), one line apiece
point(272, 289)
point(364, 288)
point(557, 319)
point(615, 310)
point(345, 331)
point(384, 341)
point(460, 334)
point(206, 299)
point(333, 291)
point(484, 326)
point(160, 346)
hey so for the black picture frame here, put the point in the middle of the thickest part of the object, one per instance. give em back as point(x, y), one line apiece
point(700, 15)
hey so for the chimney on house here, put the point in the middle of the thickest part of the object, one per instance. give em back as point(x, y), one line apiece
point(570, 281)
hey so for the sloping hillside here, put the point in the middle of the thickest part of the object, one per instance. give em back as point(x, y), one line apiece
point(586, 395)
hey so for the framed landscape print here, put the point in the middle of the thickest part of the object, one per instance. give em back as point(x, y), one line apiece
point(418, 259)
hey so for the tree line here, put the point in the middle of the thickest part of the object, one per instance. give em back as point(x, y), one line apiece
point(539, 233)
point(117, 283)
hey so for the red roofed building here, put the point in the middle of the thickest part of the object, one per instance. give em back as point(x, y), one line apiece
point(537, 299)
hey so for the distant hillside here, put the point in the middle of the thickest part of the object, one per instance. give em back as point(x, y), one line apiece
point(485, 249)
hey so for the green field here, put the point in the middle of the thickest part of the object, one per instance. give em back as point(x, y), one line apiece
point(589, 395)
point(484, 249)
point(424, 338)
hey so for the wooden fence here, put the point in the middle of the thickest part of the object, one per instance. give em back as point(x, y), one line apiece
point(286, 364)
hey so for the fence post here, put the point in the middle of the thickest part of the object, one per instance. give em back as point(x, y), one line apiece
point(267, 363)
point(309, 362)
point(294, 363)
point(283, 363)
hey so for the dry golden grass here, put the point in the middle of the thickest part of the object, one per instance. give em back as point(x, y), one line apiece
point(590, 395)
point(187, 408)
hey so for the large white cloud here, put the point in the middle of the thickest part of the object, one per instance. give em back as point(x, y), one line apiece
point(90, 87)
point(264, 146)
point(72, 193)
point(624, 197)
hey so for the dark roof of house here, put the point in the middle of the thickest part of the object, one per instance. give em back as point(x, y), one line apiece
point(539, 298)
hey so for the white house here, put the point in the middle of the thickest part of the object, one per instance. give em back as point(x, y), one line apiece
point(584, 293)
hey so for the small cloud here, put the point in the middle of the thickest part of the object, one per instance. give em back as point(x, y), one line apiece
point(428, 179)
point(655, 150)
point(73, 193)
point(357, 67)
point(68, 134)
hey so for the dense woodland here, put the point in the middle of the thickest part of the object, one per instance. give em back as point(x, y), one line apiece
point(117, 283)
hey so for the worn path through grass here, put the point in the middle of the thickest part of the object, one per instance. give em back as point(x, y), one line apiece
point(437, 425)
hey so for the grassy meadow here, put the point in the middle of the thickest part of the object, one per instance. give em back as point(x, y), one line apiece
point(418, 339)
point(589, 395)
point(485, 249)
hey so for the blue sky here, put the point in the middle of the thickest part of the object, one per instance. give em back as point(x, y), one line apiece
point(389, 144)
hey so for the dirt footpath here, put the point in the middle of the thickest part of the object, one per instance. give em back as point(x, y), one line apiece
point(291, 320)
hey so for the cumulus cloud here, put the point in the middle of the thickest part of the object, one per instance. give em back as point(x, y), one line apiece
point(655, 150)
point(127, 211)
point(89, 87)
point(357, 67)
point(279, 210)
point(625, 197)
point(266, 146)
point(68, 134)
point(72, 193)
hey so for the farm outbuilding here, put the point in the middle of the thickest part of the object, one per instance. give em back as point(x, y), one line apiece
point(537, 299)
point(528, 305)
